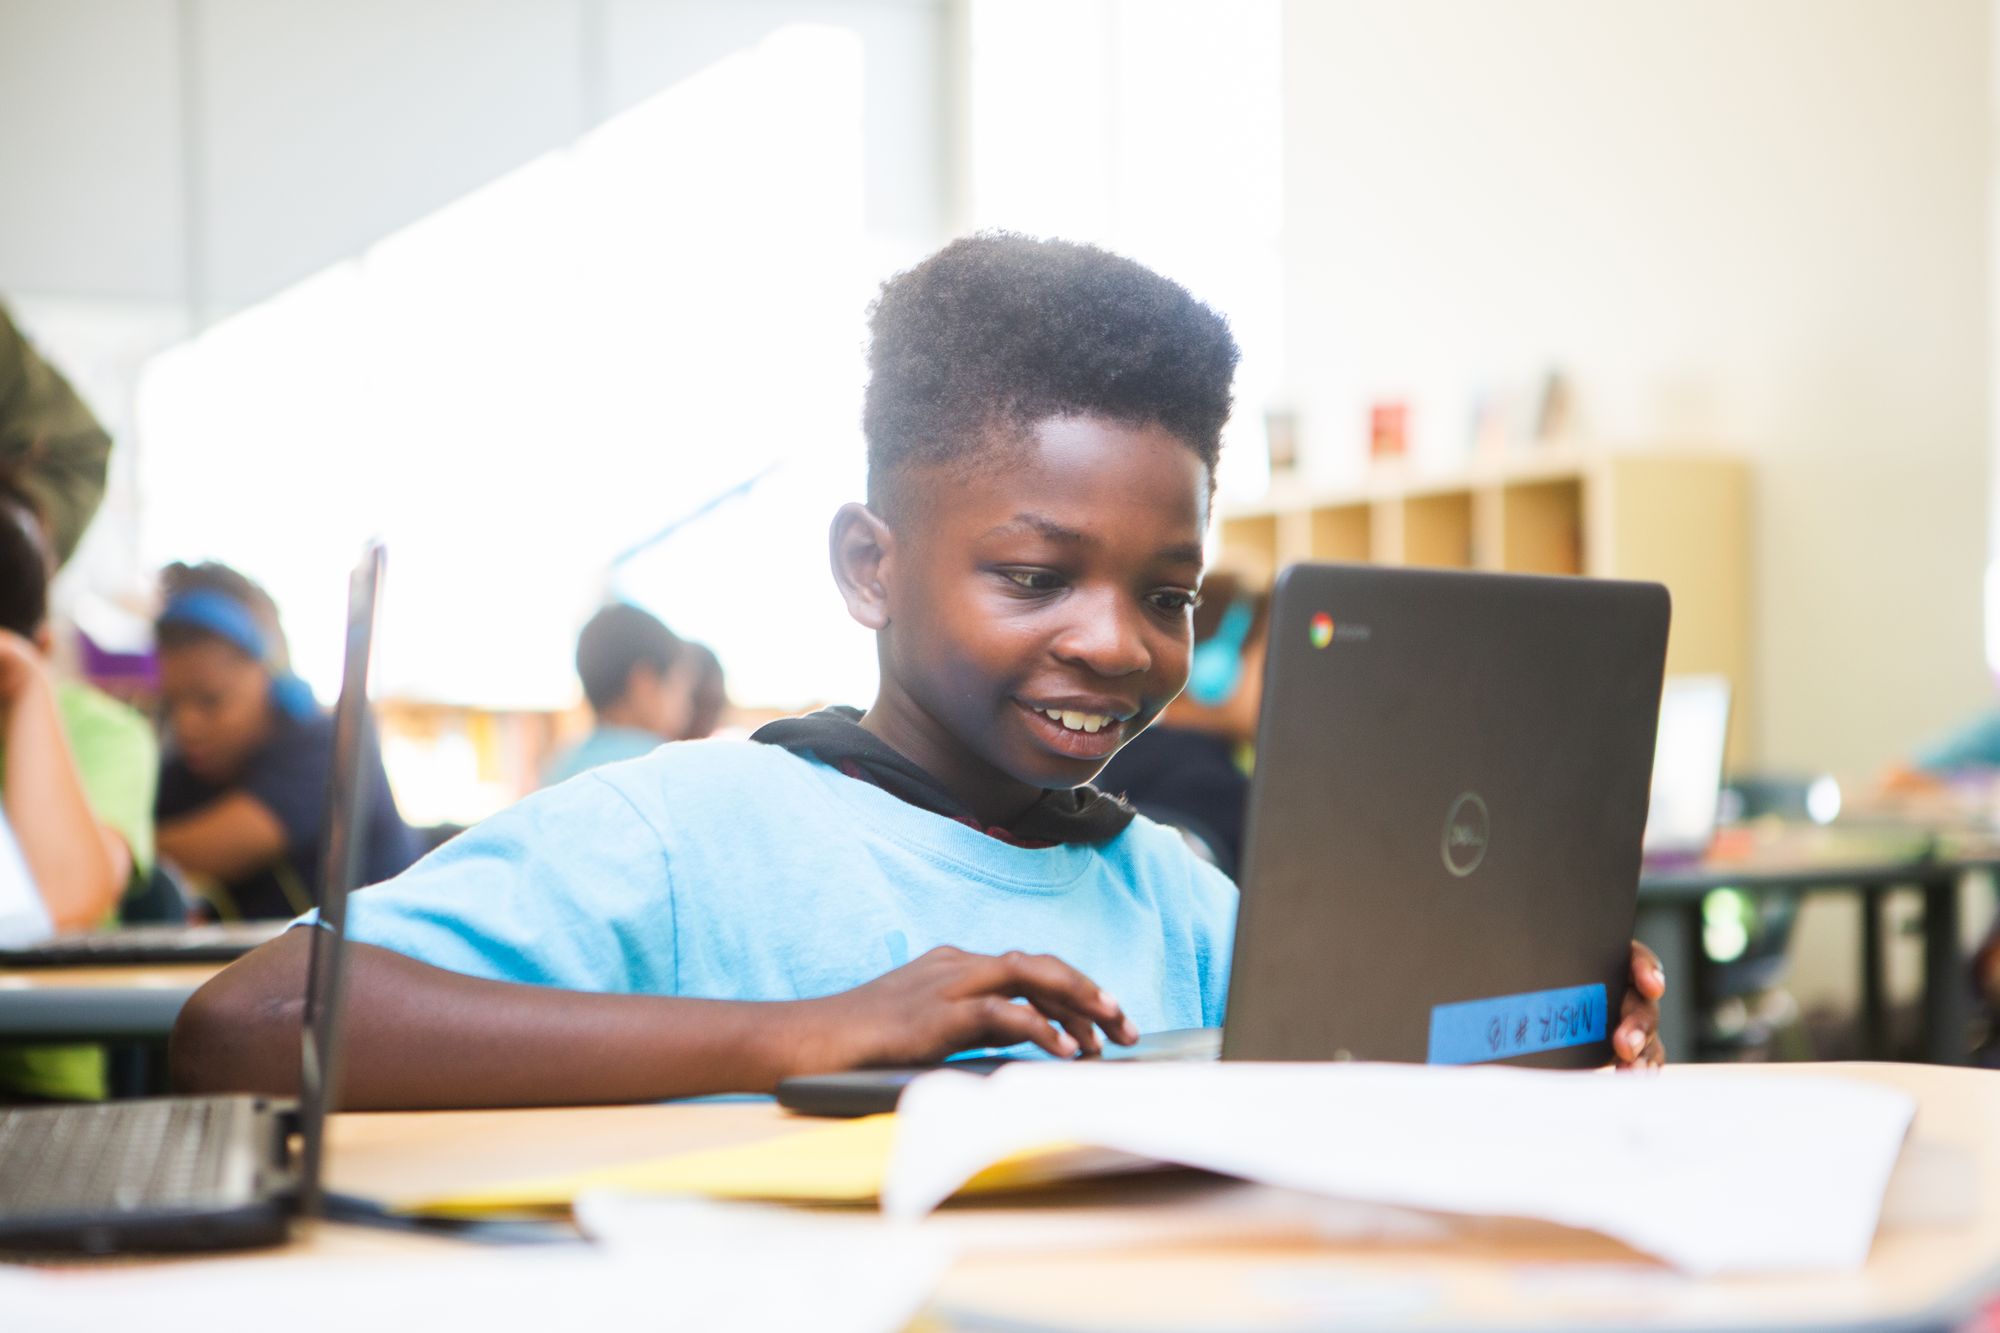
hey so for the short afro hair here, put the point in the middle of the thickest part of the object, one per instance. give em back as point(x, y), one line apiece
point(619, 637)
point(1002, 330)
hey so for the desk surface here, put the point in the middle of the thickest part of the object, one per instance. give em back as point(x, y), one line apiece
point(116, 976)
point(137, 1002)
point(1159, 1259)
point(1810, 856)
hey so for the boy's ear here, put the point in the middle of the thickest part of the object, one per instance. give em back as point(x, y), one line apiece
point(45, 640)
point(861, 546)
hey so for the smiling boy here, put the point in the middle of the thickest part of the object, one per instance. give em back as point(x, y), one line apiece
point(850, 889)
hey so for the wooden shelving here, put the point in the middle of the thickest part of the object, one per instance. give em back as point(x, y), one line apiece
point(1681, 518)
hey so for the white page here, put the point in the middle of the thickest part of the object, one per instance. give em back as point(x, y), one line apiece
point(1711, 1172)
point(23, 917)
point(695, 1268)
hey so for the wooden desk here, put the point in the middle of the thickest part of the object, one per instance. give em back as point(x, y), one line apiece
point(1123, 1257)
point(1670, 922)
point(133, 1002)
point(1936, 1258)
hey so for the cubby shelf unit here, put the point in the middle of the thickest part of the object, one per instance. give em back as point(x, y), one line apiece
point(1679, 517)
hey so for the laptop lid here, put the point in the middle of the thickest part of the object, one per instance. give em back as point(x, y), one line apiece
point(1687, 766)
point(346, 825)
point(1442, 860)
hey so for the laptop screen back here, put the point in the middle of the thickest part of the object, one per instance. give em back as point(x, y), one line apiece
point(1687, 765)
point(1445, 818)
point(340, 866)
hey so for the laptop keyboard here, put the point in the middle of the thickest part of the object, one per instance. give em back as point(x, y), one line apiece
point(124, 1157)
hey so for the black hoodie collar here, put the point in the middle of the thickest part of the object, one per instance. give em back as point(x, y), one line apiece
point(835, 736)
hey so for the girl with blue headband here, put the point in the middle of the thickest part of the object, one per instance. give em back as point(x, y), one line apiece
point(243, 788)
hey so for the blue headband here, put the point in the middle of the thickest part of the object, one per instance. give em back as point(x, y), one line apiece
point(1218, 659)
point(221, 615)
point(230, 620)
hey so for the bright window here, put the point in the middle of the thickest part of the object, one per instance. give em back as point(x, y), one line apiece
point(522, 386)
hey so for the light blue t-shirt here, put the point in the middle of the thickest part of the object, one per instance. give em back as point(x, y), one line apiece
point(740, 871)
point(604, 745)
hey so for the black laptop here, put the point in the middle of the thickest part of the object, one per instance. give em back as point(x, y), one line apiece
point(192, 1173)
point(1442, 860)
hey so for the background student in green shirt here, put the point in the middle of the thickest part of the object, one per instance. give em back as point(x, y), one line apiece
point(76, 781)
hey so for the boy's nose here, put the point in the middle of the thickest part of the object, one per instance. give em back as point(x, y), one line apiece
point(1105, 637)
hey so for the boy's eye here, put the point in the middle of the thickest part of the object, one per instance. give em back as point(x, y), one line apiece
point(1033, 580)
point(1175, 599)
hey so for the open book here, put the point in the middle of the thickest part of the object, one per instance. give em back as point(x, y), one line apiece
point(1710, 1170)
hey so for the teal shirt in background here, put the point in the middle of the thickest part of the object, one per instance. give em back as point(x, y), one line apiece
point(604, 745)
point(1974, 745)
point(733, 870)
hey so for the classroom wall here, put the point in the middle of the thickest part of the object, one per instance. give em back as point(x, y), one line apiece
point(1761, 226)
point(203, 154)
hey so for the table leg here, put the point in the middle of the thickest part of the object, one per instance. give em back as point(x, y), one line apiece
point(1874, 1007)
point(1673, 931)
point(1946, 1008)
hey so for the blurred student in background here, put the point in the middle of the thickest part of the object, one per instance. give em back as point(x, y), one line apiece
point(639, 678)
point(76, 785)
point(710, 701)
point(243, 789)
point(77, 780)
point(1971, 752)
point(1190, 769)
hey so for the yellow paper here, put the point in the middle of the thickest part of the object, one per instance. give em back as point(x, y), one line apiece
point(841, 1163)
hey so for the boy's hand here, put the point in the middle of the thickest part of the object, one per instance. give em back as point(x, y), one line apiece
point(950, 1000)
point(1636, 1044)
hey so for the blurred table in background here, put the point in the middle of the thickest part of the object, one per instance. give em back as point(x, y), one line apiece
point(1867, 858)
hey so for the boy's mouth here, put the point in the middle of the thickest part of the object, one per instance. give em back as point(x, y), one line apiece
point(1075, 732)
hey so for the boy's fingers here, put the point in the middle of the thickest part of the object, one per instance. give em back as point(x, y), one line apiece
point(1055, 987)
point(998, 1022)
point(1083, 1030)
point(1647, 974)
point(1637, 1008)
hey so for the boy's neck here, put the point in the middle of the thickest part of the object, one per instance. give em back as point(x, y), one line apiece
point(995, 799)
point(621, 714)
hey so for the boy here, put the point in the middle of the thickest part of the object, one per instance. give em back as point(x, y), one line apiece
point(853, 889)
point(638, 678)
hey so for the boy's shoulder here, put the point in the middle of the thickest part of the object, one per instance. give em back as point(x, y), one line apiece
point(1152, 846)
point(705, 771)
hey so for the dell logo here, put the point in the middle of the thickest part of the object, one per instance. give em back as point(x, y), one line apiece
point(1466, 829)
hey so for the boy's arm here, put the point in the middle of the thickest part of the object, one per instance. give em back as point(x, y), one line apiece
point(421, 1036)
point(79, 866)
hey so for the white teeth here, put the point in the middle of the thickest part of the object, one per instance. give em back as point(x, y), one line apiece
point(1075, 721)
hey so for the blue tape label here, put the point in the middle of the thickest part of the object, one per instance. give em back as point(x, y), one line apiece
point(1509, 1025)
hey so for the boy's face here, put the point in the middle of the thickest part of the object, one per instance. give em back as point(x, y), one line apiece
point(1038, 611)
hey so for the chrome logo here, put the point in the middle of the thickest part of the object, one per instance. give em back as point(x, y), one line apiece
point(1466, 831)
point(1321, 630)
